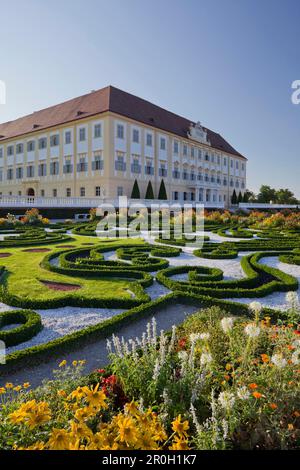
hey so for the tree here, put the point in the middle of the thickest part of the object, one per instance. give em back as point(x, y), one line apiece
point(266, 194)
point(162, 193)
point(285, 196)
point(234, 198)
point(246, 196)
point(135, 193)
point(149, 192)
point(240, 198)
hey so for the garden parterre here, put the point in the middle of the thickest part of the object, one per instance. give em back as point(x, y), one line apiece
point(122, 282)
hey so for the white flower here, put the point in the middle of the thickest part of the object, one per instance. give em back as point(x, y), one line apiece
point(183, 355)
point(278, 361)
point(205, 358)
point(156, 370)
point(296, 357)
point(255, 307)
point(252, 330)
point(292, 298)
point(227, 324)
point(204, 336)
point(226, 399)
point(194, 337)
point(243, 393)
point(296, 343)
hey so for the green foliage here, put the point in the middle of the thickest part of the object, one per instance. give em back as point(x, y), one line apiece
point(162, 194)
point(135, 194)
point(149, 191)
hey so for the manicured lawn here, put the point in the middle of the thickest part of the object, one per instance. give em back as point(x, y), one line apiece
point(24, 275)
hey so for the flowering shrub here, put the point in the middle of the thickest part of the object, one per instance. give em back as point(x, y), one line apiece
point(215, 382)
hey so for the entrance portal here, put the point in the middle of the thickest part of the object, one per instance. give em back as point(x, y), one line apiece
point(30, 192)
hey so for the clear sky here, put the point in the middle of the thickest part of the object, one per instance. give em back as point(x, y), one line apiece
point(228, 63)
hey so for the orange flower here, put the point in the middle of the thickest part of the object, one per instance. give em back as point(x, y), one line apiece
point(290, 347)
point(290, 427)
point(253, 386)
point(257, 395)
point(273, 406)
point(297, 414)
point(227, 377)
point(265, 358)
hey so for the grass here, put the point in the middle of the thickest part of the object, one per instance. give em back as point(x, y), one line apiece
point(23, 275)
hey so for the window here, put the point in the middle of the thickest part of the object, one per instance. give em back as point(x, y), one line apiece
point(225, 182)
point(1, 153)
point(97, 191)
point(185, 175)
point(199, 154)
point(184, 151)
point(120, 191)
point(19, 193)
point(135, 166)
point(42, 143)
point(82, 192)
point(176, 174)
point(120, 165)
point(207, 157)
point(82, 134)
point(97, 131)
point(162, 143)
point(192, 152)
point(243, 166)
point(68, 167)
point(30, 171)
point(30, 146)
point(149, 170)
point(192, 176)
point(135, 136)
point(42, 169)
point(237, 165)
point(68, 192)
point(54, 168)
point(225, 161)
point(162, 170)
point(19, 148)
point(19, 173)
point(176, 147)
point(200, 176)
point(213, 158)
point(231, 163)
point(176, 196)
point(97, 164)
point(54, 192)
point(10, 150)
point(149, 140)
point(120, 131)
point(82, 165)
point(42, 193)
point(54, 140)
point(68, 137)
point(10, 174)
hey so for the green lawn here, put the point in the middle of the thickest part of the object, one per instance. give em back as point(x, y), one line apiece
point(24, 275)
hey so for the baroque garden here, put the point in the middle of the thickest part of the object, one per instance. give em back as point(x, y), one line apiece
point(154, 344)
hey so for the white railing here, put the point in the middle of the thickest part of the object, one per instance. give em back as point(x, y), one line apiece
point(258, 205)
point(85, 202)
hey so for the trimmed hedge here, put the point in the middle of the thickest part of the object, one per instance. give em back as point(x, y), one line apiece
point(31, 325)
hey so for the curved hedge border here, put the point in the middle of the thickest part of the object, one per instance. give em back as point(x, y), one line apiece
point(40, 353)
point(31, 325)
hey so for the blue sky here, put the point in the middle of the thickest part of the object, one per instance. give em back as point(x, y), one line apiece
point(228, 63)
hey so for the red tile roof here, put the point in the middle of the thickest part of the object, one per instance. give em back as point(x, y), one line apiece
point(108, 99)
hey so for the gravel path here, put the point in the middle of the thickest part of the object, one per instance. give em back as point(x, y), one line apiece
point(95, 353)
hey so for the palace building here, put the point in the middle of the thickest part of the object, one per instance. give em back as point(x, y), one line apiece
point(97, 145)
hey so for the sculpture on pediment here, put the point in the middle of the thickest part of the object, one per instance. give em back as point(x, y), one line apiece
point(197, 132)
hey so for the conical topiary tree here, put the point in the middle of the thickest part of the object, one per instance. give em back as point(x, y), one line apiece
point(149, 192)
point(234, 198)
point(162, 193)
point(135, 193)
point(245, 197)
point(240, 198)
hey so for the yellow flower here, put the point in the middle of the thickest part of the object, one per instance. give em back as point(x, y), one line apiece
point(80, 430)
point(26, 385)
point(9, 385)
point(17, 417)
point(75, 363)
point(17, 388)
point(59, 439)
point(78, 393)
point(127, 429)
point(2, 390)
point(132, 408)
point(180, 427)
point(61, 393)
point(39, 416)
point(62, 363)
point(82, 362)
point(290, 427)
point(84, 413)
point(179, 444)
point(95, 397)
